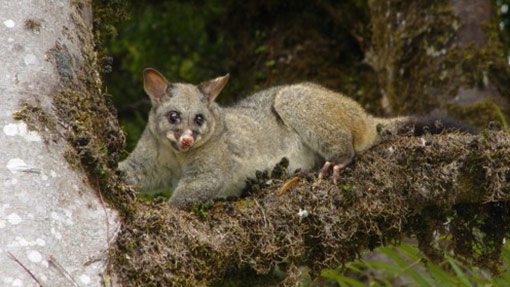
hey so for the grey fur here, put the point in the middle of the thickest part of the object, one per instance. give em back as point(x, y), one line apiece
point(304, 122)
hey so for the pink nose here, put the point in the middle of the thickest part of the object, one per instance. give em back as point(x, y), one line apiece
point(187, 141)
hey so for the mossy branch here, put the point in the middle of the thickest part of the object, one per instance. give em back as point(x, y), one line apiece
point(420, 187)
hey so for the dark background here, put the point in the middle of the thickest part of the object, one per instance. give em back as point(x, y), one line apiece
point(260, 43)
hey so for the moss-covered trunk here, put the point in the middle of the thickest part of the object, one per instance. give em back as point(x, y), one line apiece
point(59, 145)
point(444, 54)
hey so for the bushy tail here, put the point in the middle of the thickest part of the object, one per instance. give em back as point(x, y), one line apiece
point(433, 123)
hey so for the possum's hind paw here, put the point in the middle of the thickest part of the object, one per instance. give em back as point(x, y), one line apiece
point(336, 167)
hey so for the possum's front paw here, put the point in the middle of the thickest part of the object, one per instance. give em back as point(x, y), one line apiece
point(186, 200)
point(179, 202)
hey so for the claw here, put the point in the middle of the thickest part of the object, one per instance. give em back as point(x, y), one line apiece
point(325, 169)
point(336, 172)
point(337, 168)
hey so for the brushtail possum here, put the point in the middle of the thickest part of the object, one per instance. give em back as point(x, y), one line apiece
point(201, 150)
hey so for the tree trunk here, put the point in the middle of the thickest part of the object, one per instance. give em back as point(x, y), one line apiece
point(444, 54)
point(55, 230)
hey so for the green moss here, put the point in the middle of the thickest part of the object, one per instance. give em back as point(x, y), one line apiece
point(96, 140)
point(420, 65)
point(35, 117)
point(457, 186)
point(107, 14)
point(480, 113)
point(201, 209)
point(33, 25)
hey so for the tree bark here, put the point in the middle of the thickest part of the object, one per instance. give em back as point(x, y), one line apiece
point(54, 228)
point(444, 54)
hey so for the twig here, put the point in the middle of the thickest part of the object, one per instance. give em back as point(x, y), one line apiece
point(24, 268)
point(289, 184)
point(263, 213)
point(53, 261)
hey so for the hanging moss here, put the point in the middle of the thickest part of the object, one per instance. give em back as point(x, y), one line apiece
point(420, 65)
point(405, 187)
point(36, 119)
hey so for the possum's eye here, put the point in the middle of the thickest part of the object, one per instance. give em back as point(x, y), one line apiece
point(174, 117)
point(199, 119)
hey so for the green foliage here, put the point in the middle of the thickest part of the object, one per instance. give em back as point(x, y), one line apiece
point(177, 38)
point(410, 266)
point(261, 43)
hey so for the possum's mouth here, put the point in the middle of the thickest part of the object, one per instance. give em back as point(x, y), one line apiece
point(180, 145)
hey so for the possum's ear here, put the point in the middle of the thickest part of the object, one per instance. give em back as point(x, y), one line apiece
point(155, 85)
point(212, 88)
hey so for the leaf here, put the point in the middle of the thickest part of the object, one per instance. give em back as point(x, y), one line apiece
point(341, 279)
point(442, 277)
point(460, 274)
point(420, 278)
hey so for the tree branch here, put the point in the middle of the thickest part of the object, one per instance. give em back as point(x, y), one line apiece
point(453, 184)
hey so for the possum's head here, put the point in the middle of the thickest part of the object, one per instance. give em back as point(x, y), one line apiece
point(182, 115)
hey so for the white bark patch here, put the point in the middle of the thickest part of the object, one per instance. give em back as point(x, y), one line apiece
point(85, 279)
point(55, 216)
point(11, 129)
point(13, 181)
point(32, 136)
point(40, 242)
point(14, 165)
point(55, 233)
point(66, 218)
point(14, 219)
point(17, 283)
point(34, 256)
point(21, 129)
point(2, 224)
point(30, 59)
point(21, 241)
point(9, 23)
point(45, 263)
